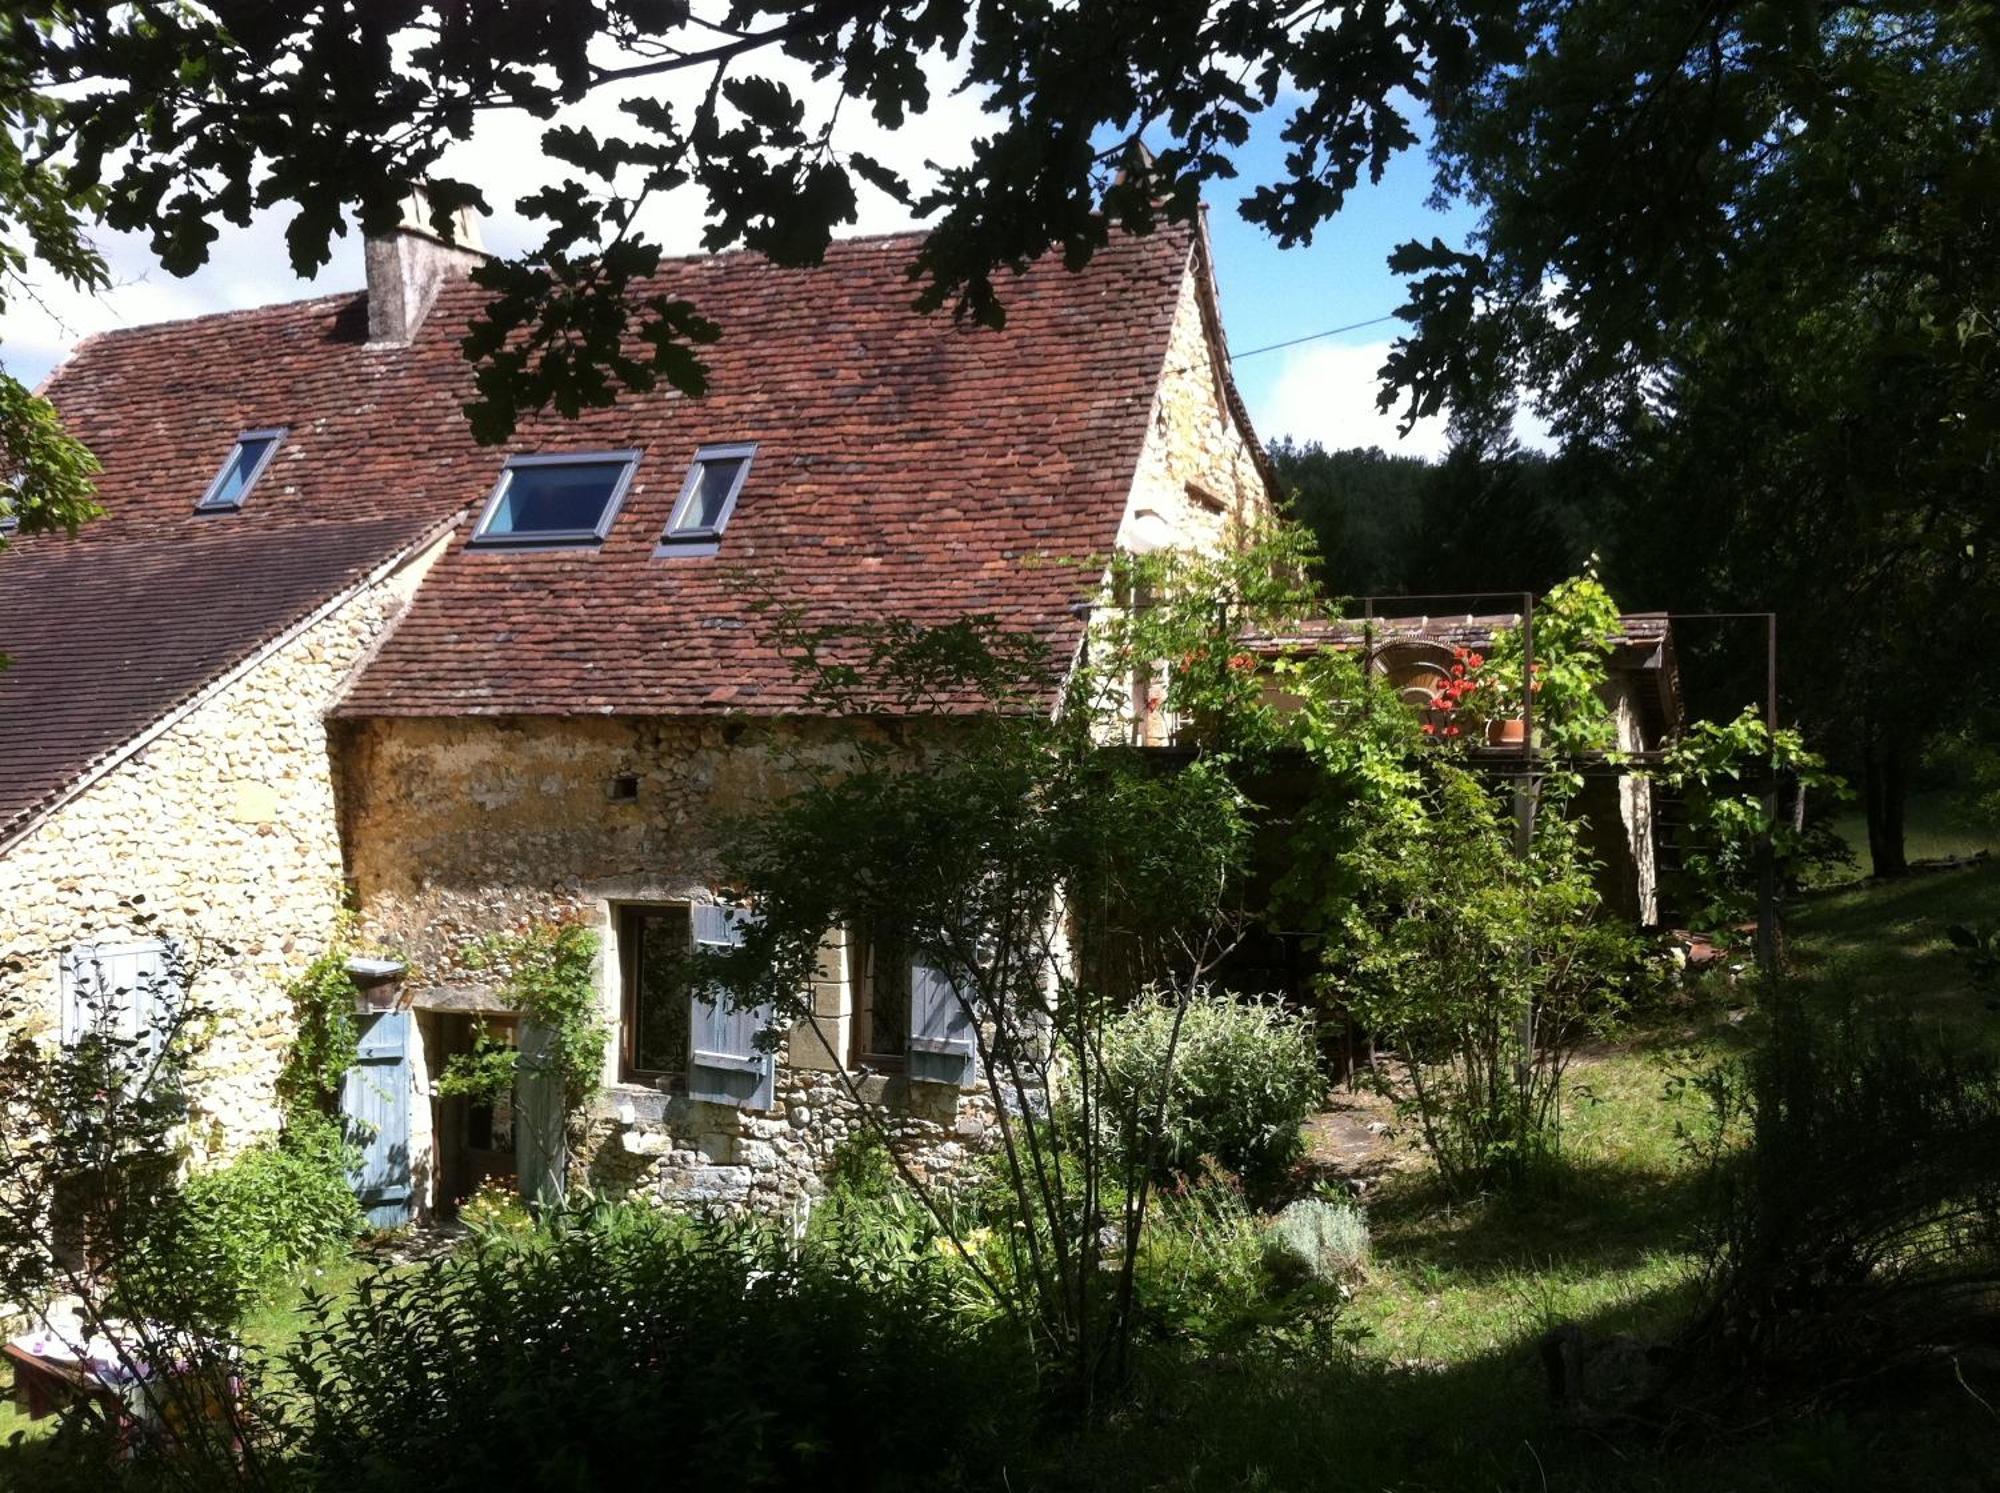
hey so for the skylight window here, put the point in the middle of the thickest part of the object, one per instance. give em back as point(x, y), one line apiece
point(252, 453)
point(707, 499)
point(557, 500)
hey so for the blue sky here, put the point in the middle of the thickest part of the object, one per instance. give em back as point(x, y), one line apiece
point(1321, 390)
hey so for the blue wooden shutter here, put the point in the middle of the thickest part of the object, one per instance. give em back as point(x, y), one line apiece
point(125, 992)
point(141, 977)
point(941, 1031)
point(375, 1101)
point(726, 1066)
point(80, 995)
point(541, 1142)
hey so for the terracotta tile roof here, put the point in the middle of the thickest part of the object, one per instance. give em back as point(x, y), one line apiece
point(904, 467)
point(1642, 633)
point(106, 638)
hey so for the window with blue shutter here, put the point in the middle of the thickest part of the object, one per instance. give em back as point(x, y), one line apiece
point(128, 992)
point(882, 1000)
point(653, 944)
point(942, 1036)
point(725, 1065)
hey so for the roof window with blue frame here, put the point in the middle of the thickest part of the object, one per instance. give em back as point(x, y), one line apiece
point(247, 460)
point(556, 501)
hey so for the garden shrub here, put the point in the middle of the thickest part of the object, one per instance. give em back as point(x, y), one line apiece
point(1721, 773)
point(868, 1212)
point(1204, 1280)
point(628, 1346)
point(233, 1235)
point(1859, 1232)
point(1317, 1239)
point(1244, 1079)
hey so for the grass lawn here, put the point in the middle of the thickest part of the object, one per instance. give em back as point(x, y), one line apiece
point(1935, 827)
point(268, 1329)
point(1460, 1293)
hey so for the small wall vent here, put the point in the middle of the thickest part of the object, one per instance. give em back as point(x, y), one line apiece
point(623, 789)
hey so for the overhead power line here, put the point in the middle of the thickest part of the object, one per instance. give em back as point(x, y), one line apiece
point(1271, 347)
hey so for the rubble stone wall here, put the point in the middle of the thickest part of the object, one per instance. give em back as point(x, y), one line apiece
point(464, 828)
point(1198, 481)
point(220, 834)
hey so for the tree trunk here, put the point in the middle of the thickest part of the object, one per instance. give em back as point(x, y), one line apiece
point(1884, 788)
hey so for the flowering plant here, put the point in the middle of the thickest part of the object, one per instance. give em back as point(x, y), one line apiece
point(1453, 698)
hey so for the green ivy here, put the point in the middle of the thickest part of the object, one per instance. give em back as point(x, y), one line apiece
point(549, 975)
point(324, 1033)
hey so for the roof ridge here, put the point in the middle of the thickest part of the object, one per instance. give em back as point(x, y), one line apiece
point(340, 297)
point(108, 334)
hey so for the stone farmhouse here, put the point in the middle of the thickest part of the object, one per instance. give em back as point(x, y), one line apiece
point(323, 650)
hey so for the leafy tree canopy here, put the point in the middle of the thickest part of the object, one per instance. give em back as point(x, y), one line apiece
point(1746, 252)
point(1749, 253)
point(172, 119)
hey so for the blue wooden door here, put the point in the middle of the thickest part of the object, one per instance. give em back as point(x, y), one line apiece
point(375, 1102)
point(541, 1144)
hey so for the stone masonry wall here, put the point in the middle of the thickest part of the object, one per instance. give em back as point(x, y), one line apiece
point(463, 828)
point(1198, 478)
point(224, 824)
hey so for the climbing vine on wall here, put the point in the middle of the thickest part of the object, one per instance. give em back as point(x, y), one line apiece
point(549, 975)
point(325, 1034)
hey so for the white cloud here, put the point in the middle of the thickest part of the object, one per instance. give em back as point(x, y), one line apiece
point(1326, 393)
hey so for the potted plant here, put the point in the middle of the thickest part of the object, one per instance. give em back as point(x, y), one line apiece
point(1498, 694)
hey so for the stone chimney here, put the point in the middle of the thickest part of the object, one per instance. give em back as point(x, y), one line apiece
point(406, 267)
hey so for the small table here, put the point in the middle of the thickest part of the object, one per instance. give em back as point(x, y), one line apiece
point(43, 1386)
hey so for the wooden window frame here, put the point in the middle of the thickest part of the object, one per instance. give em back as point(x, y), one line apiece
point(628, 916)
point(862, 974)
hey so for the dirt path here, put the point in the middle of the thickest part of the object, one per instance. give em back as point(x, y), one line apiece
point(1357, 1140)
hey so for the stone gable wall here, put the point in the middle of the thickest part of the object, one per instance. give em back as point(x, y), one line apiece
point(1198, 480)
point(222, 828)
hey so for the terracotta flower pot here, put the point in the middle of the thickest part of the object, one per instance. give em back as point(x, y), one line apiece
point(1512, 731)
